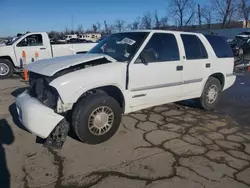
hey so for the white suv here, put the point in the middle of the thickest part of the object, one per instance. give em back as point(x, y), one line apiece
point(124, 73)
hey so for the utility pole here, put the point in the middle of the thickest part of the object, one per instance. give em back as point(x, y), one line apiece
point(72, 23)
point(199, 15)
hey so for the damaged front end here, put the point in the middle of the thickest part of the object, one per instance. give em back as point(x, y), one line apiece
point(48, 96)
point(41, 90)
point(58, 136)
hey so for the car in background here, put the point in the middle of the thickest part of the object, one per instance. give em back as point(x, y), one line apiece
point(23, 49)
point(72, 41)
point(240, 45)
point(68, 37)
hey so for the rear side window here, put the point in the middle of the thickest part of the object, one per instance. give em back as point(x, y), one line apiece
point(220, 46)
point(194, 48)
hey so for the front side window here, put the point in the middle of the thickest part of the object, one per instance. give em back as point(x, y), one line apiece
point(31, 40)
point(194, 48)
point(120, 46)
point(161, 47)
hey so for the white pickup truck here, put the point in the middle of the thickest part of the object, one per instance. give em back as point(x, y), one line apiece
point(36, 46)
point(124, 73)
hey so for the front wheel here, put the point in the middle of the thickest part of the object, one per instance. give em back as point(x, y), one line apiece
point(96, 118)
point(210, 94)
point(6, 69)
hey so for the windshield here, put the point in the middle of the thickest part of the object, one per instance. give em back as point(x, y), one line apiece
point(121, 46)
point(12, 41)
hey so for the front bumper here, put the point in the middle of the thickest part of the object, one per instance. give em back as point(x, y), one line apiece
point(36, 117)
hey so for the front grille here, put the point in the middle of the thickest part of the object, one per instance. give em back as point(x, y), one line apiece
point(41, 90)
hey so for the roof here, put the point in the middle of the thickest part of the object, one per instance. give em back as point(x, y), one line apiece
point(160, 31)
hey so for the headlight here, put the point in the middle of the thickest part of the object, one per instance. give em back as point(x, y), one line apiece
point(50, 97)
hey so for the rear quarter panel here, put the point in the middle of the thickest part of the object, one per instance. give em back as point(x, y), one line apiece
point(224, 66)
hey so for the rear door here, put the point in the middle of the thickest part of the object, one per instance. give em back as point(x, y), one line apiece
point(196, 65)
point(155, 77)
point(35, 46)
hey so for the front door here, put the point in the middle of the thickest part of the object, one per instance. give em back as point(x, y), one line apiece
point(34, 46)
point(155, 77)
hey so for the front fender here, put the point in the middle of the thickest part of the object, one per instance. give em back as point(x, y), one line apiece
point(8, 53)
point(72, 85)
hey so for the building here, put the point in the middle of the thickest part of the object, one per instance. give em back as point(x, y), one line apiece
point(90, 36)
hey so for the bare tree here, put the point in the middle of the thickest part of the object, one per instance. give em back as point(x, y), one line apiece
point(183, 11)
point(157, 20)
point(135, 24)
point(147, 21)
point(53, 34)
point(164, 22)
point(107, 28)
point(119, 25)
point(207, 12)
point(98, 26)
point(94, 28)
point(66, 31)
point(199, 15)
point(244, 10)
point(226, 11)
point(79, 29)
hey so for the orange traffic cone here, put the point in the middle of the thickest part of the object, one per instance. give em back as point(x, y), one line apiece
point(25, 74)
point(36, 55)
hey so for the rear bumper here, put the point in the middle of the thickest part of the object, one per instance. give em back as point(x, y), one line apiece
point(229, 81)
point(36, 117)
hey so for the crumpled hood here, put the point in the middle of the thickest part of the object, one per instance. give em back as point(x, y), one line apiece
point(49, 67)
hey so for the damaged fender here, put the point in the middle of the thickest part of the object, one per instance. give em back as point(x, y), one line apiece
point(71, 86)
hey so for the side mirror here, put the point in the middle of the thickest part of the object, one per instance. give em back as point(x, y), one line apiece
point(148, 55)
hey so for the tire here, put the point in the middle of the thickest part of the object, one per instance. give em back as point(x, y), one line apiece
point(82, 118)
point(206, 100)
point(6, 68)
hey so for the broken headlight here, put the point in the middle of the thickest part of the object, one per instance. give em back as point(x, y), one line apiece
point(42, 91)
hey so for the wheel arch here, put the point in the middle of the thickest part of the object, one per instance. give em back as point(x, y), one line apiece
point(8, 58)
point(220, 76)
point(111, 90)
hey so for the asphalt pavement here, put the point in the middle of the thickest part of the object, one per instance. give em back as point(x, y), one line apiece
point(174, 145)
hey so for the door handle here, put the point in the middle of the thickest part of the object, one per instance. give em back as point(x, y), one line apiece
point(42, 48)
point(208, 65)
point(179, 68)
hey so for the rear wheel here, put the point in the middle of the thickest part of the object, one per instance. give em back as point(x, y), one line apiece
point(6, 69)
point(96, 118)
point(211, 93)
